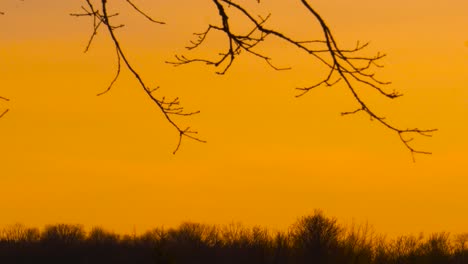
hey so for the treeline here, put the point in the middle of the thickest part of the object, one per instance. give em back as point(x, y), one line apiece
point(312, 239)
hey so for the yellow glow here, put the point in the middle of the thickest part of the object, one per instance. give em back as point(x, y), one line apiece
point(70, 156)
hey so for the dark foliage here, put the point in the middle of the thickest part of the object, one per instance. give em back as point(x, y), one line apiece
point(312, 239)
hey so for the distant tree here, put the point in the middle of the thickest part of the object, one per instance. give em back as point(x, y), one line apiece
point(63, 233)
point(405, 249)
point(316, 238)
point(345, 65)
point(19, 233)
point(461, 247)
point(437, 248)
point(99, 235)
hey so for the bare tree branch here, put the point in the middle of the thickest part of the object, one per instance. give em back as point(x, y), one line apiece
point(344, 64)
point(168, 107)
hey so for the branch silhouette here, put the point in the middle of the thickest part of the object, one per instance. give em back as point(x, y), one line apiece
point(4, 112)
point(345, 65)
point(168, 107)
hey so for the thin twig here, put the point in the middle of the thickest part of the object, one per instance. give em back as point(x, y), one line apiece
point(117, 74)
point(143, 13)
point(4, 113)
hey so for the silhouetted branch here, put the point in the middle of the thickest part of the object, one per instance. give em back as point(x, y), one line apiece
point(6, 110)
point(346, 69)
point(4, 113)
point(117, 74)
point(237, 43)
point(168, 108)
point(143, 13)
point(344, 64)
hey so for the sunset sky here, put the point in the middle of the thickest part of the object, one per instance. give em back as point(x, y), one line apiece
point(70, 156)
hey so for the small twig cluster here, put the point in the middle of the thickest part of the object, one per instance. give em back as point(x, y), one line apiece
point(169, 108)
point(345, 65)
point(237, 43)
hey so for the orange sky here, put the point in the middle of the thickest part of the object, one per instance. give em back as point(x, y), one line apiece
point(70, 156)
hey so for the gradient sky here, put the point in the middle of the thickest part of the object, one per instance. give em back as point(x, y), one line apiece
point(70, 156)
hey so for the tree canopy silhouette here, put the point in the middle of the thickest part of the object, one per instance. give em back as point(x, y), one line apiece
point(346, 66)
point(314, 238)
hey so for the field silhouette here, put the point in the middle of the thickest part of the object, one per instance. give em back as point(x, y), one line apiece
point(311, 239)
